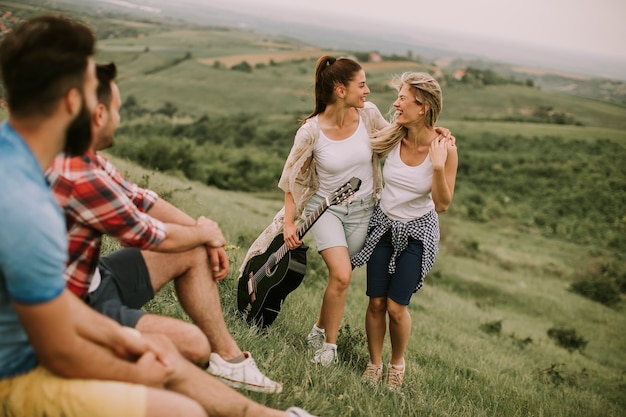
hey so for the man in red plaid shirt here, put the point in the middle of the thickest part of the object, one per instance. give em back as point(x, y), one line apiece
point(162, 243)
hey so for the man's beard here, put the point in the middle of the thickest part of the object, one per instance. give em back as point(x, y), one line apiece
point(78, 135)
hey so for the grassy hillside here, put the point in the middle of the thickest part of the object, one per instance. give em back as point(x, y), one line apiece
point(480, 344)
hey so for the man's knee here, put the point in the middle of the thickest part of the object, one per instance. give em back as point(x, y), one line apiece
point(188, 338)
point(198, 349)
point(197, 257)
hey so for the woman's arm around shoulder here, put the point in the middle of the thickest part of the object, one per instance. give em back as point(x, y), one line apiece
point(445, 160)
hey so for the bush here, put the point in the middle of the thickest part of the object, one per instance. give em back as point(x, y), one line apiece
point(557, 375)
point(352, 347)
point(567, 338)
point(492, 327)
point(242, 66)
point(602, 290)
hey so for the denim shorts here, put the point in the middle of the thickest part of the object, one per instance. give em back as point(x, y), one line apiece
point(400, 285)
point(341, 225)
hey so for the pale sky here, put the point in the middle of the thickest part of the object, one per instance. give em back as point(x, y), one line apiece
point(576, 25)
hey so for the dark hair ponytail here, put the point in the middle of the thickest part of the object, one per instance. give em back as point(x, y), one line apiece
point(330, 72)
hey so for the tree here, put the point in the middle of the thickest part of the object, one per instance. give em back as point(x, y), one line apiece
point(242, 66)
point(168, 109)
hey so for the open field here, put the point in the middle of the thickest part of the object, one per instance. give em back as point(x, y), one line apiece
point(537, 71)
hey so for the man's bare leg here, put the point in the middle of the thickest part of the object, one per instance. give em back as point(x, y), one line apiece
point(163, 403)
point(199, 297)
point(214, 396)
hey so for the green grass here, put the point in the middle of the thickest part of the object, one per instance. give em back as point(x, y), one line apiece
point(483, 274)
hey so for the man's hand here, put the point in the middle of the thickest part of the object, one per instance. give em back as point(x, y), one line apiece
point(130, 345)
point(153, 372)
point(212, 231)
point(218, 259)
point(154, 367)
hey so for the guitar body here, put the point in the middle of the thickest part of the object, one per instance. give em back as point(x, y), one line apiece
point(269, 277)
point(278, 280)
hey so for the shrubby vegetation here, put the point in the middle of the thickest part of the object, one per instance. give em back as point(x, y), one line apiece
point(567, 338)
point(564, 188)
point(481, 77)
point(229, 153)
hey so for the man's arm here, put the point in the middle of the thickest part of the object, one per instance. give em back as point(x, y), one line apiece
point(70, 343)
point(179, 238)
point(170, 214)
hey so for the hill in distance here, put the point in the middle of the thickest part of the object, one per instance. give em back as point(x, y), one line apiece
point(334, 32)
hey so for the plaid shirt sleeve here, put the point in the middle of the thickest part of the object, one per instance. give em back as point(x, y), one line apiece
point(142, 199)
point(101, 202)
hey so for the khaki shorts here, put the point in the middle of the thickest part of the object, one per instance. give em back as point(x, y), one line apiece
point(341, 225)
point(40, 393)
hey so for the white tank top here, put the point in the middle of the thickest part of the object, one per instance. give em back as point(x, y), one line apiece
point(339, 160)
point(407, 191)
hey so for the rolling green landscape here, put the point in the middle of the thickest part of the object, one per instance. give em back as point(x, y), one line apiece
point(523, 313)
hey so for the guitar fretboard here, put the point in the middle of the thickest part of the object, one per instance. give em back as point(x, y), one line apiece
point(282, 251)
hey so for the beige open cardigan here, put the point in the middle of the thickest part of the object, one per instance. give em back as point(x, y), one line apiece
point(304, 184)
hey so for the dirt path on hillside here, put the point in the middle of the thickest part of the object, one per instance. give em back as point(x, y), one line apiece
point(285, 56)
point(264, 58)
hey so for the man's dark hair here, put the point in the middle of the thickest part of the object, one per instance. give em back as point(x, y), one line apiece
point(41, 60)
point(106, 74)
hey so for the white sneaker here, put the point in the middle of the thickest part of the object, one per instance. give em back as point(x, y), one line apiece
point(316, 338)
point(244, 374)
point(326, 355)
point(297, 412)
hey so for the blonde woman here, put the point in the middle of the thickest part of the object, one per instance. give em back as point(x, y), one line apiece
point(403, 236)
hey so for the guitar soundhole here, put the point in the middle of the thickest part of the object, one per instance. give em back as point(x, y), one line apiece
point(270, 266)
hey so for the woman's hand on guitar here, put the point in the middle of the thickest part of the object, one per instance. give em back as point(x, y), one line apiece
point(290, 233)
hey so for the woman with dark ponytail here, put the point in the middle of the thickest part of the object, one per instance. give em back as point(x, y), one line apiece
point(331, 146)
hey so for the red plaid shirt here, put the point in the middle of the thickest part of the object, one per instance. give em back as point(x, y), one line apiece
point(97, 200)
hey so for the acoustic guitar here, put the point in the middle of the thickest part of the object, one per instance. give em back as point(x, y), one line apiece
point(272, 275)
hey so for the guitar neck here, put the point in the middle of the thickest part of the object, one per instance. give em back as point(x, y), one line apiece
point(312, 218)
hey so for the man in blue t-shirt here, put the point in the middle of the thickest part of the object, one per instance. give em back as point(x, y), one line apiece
point(58, 357)
point(49, 80)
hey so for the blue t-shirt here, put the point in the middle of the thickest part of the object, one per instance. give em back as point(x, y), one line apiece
point(33, 247)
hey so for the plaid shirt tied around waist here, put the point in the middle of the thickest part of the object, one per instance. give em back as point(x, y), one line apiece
point(424, 229)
